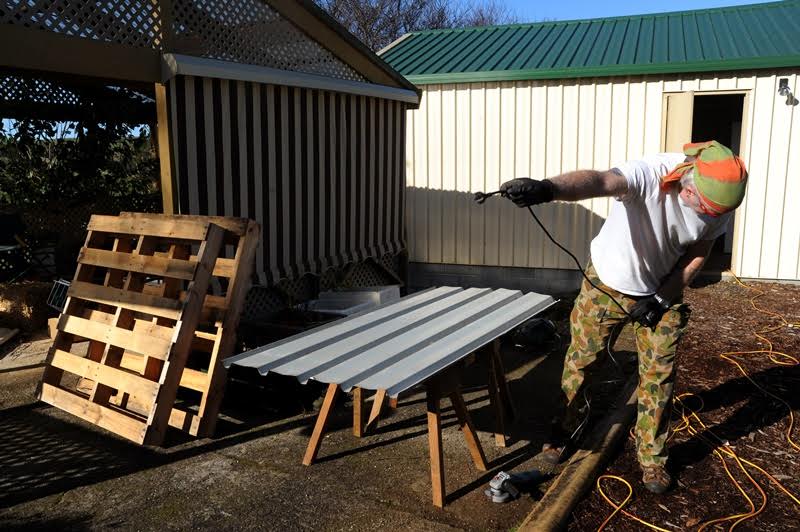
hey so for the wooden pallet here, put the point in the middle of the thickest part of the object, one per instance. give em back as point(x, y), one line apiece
point(108, 306)
point(215, 338)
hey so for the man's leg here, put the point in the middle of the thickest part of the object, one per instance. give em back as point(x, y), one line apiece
point(657, 349)
point(592, 321)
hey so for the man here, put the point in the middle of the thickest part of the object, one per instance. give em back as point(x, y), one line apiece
point(669, 209)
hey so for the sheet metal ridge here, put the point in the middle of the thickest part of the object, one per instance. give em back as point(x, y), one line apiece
point(428, 361)
point(355, 322)
point(303, 364)
point(369, 362)
point(308, 364)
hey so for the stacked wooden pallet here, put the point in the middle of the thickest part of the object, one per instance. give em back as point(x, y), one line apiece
point(141, 297)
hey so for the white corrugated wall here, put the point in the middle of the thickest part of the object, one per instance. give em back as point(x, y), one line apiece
point(471, 137)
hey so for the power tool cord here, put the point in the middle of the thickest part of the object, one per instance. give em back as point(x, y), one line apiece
point(577, 262)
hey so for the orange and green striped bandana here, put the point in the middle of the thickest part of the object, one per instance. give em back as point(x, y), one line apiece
point(719, 176)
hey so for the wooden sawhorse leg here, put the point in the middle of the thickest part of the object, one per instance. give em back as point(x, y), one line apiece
point(434, 396)
point(499, 394)
point(377, 406)
point(319, 427)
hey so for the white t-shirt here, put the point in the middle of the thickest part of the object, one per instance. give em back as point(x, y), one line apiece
point(647, 229)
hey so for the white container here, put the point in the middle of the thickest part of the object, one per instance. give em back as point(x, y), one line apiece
point(340, 307)
point(377, 295)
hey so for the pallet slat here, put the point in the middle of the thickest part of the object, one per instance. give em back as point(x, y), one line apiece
point(194, 380)
point(142, 334)
point(113, 377)
point(237, 226)
point(123, 338)
point(107, 418)
point(151, 265)
point(136, 301)
point(159, 227)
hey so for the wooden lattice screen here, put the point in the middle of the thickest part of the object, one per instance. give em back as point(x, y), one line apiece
point(141, 291)
point(242, 31)
point(130, 22)
point(251, 32)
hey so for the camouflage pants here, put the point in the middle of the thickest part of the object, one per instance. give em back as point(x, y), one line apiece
point(593, 319)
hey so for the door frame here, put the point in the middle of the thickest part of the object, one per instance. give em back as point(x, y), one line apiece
point(744, 144)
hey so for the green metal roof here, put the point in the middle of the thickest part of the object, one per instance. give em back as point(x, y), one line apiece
point(731, 38)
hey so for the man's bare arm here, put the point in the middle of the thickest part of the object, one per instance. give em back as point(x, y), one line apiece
point(686, 269)
point(585, 184)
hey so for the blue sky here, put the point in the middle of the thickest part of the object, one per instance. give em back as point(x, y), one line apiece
point(537, 10)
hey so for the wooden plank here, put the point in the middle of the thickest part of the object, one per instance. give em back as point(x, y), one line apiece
point(161, 227)
point(435, 446)
point(468, 429)
point(358, 412)
point(32, 49)
point(124, 425)
point(168, 186)
point(143, 327)
point(224, 268)
point(112, 377)
point(237, 226)
point(132, 361)
point(377, 406)
point(319, 427)
point(194, 379)
point(204, 345)
point(497, 406)
point(71, 306)
point(151, 265)
point(215, 302)
point(123, 338)
point(183, 420)
point(237, 291)
point(502, 382)
point(123, 319)
point(190, 318)
point(136, 301)
point(155, 330)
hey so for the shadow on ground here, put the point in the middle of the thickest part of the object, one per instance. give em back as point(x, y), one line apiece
point(758, 411)
point(43, 451)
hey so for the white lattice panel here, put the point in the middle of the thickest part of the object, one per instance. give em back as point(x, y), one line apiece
point(251, 32)
point(130, 22)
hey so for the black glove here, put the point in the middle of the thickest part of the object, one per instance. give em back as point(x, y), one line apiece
point(525, 191)
point(648, 311)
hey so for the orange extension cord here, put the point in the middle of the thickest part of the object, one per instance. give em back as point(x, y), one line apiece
point(694, 426)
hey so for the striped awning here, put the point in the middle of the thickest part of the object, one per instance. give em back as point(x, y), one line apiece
point(321, 171)
point(400, 344)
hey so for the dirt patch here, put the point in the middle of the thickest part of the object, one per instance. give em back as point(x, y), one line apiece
point(59, 472)
point(750, 423)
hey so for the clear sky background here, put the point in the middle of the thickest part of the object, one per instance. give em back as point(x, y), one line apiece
point(538, 10)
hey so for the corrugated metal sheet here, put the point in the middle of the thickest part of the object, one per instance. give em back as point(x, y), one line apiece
point(321, 171)
point(471, 137)
point(731, 38)
point(400, 344)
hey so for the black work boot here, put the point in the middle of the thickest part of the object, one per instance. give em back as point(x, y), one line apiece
point(554, 450)
point(656, 479)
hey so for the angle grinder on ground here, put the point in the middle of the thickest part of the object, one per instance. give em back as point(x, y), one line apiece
point(506, 487)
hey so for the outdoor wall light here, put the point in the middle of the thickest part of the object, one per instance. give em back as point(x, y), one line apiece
point(783, 90)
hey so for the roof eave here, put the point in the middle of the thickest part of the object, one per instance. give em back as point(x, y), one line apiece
point(608, 71)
